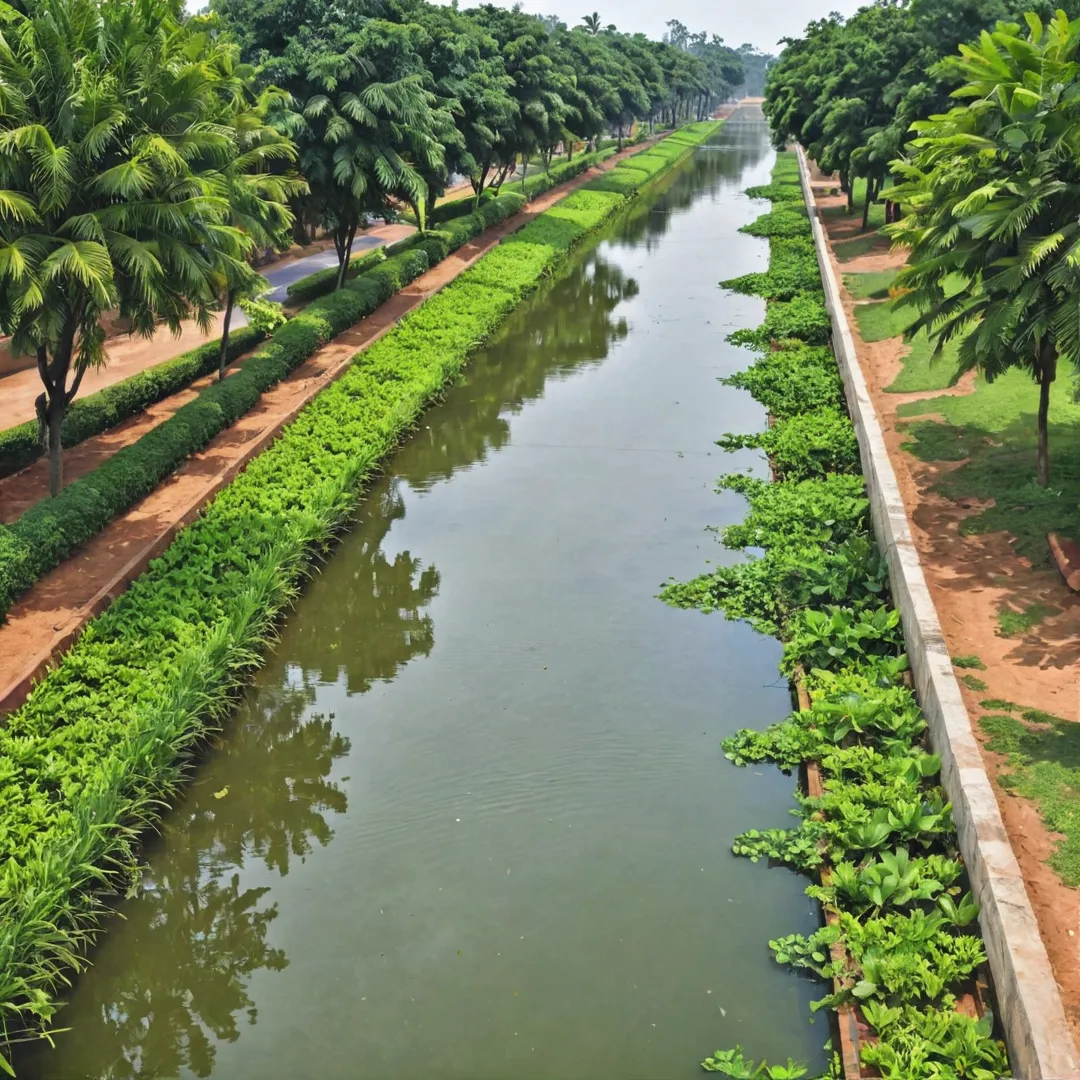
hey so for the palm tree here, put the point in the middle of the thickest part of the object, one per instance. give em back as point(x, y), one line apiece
point(994, 225)
point(107, 148)
point(592, 24)
point(258, 198)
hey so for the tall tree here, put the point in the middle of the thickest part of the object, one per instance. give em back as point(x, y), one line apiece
point(994, 192)
point(591, 24)
point(109, 149)
point(365, 124)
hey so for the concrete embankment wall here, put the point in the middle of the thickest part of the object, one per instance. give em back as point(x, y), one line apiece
point(1029, 1003)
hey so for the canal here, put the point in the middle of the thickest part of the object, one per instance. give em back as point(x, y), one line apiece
point(472, 819)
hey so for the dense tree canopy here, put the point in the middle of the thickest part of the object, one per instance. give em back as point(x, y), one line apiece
point(120, 129)
point(994, 215)
point(849, 89)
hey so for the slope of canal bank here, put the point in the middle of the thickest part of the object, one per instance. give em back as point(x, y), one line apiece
point(469, 821)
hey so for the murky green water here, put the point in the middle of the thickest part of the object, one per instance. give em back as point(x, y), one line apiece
point(472, 820)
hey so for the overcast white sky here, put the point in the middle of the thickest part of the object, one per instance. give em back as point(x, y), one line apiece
point(761, 22)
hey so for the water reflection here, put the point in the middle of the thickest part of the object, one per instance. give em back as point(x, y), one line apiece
point(579, 328)
point(372, 609)
point(710, 170)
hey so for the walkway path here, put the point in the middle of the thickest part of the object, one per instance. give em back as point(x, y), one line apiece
point(50, 616)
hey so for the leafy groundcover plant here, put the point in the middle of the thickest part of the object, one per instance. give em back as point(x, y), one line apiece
point(105, 739)
point(903, 944)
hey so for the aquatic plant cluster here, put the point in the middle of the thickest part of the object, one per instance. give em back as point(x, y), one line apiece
point(899, 942)
point(104, 740)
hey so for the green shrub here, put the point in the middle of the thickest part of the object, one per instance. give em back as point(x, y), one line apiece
point(793, 270)
point(788, 220)
point(804, 446)
point(445, 211)
point(96, 413)
point(792, 380)
point(804, 318)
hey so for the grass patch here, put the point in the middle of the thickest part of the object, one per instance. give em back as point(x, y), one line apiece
point(920, 371)
point(872, 286)
point(881, 321)
point(992, 431)
point(973, 682)
point(971, 662)
point(1013, 623)
point(1000, 705)
point(1043, 753)
point(846, 250)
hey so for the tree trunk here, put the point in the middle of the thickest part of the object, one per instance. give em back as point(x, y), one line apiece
point(870, 196)
point(415, 206)
point(479, 183)
point(300, 230)
point(223, 356)
point(42, 422)
point(619, 147)
point(848, 189)
point(56, 454)
point(344, 255)
point(1047, 373)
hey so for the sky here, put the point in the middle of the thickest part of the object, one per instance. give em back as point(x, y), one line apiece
point(760, 22)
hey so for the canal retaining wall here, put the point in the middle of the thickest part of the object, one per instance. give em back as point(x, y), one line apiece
point(1031, 1011)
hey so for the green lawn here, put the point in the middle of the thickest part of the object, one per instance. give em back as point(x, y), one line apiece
point(920, 371)
point(883, 320)
point(993, 432)
point(1043, 753)
point(846, 250)
point(873, 286)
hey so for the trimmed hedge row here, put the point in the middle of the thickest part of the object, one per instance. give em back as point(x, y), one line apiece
point(565, 170)
point(95, 413)
point(107, 735)
point(323, 281)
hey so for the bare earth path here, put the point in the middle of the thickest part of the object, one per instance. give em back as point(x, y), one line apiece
point(971, 577)
point(48, 618)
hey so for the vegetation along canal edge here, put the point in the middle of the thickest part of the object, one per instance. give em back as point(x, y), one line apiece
point(1031, 1007)
point(896, 877)
point(161, 667)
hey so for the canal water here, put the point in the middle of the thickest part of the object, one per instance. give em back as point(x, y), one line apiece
point(472, 820)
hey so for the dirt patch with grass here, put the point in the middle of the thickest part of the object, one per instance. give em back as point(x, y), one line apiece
point(964, 455)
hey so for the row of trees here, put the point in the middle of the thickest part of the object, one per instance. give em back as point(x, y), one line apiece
point(424, 91)
point(850, 89)
point(972, 106)
point(147, 155)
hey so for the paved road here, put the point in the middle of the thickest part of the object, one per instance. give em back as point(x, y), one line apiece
point(281, 277)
